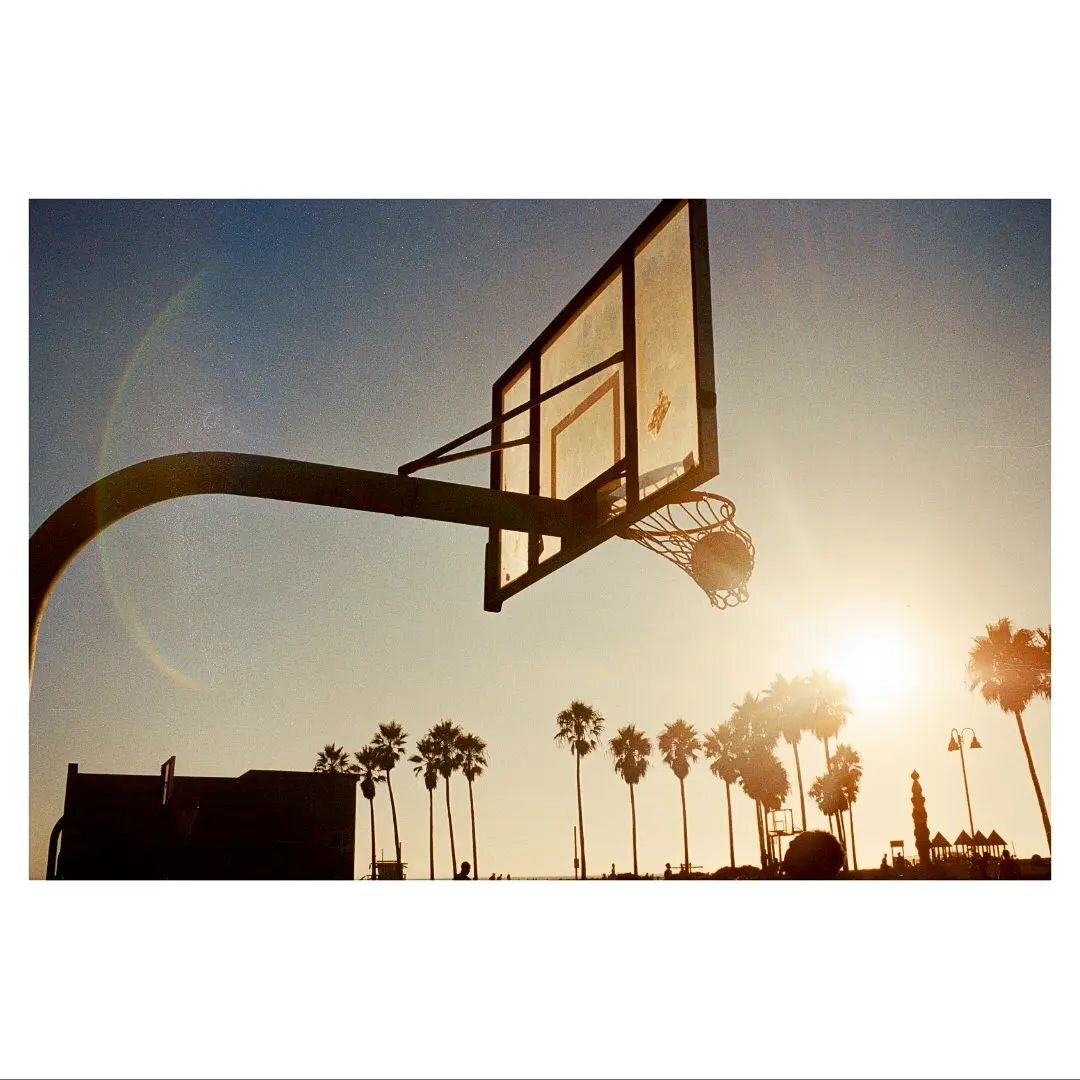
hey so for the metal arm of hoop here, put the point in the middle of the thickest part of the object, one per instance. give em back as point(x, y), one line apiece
point(439, 456)
point(70, 528)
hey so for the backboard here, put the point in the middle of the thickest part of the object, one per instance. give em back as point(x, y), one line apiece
point(613, 406)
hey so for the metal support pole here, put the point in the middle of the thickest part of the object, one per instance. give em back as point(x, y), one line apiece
point(59, 539)
point(958, 738)
point(967, 794)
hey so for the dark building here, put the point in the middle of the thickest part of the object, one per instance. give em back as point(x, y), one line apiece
point(264, 824)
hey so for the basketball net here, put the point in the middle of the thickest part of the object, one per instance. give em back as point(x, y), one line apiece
point(699, 535)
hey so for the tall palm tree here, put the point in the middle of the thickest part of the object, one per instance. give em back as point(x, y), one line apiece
point(827, 703)
point(679, 746)
point(370, 769)
point(473, 762)
point(756, 736)
point(722, 749)
point(334, 759)
point(1010, 668)
point(389, 742)
point(446, 738)
point(579, 727)
point(848, 766)
point(631, 749)
point(424, 764)
point(790, 703)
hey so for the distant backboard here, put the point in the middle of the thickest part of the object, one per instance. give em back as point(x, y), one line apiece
point(634, 423)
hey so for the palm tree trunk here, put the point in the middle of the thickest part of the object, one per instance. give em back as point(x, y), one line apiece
point(730, 830)
point(431, 830)
point(633, 827)
point(371, 807)
point(393, 814)
point(685, 838)
point(450, 821)
point(851, 820)
point(580, 817)
point(828, 765)
point(472, 823)
point(798, 773)
point(760, 833)
point(842, 836)
point(1034, 777)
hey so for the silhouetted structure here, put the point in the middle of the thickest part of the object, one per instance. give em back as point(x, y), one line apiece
point(940, 848)
point(815, 854)
point(263, 825)
point(918, 816)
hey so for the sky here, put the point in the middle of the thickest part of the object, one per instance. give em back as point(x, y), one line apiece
point(883, 380)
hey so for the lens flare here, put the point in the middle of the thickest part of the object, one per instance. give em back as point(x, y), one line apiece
point(123, 598)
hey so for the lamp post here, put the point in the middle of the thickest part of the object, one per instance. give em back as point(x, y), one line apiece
point(956, 742)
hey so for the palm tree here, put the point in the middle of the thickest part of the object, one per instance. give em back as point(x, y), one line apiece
point(1010, 668)
point(424, 763)
point(370, 766)
point(848, 767)
point(828, 712)
point(1043, 641)
point(791, 706)
point(389, 742)
point(765, 780)
point(446, 737)
point(679, 745)
point(473, 762)
point(579, 726)
point(333, 759)
point(756, 736)
point(631, 749)
point(722, 750)
point(829, 793)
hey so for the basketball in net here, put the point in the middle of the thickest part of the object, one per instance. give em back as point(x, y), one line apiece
point(721, 562)
point(699, 535)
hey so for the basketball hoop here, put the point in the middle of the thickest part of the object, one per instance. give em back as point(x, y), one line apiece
point(699, 535)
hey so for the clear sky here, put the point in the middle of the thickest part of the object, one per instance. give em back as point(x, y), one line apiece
point(883, 373)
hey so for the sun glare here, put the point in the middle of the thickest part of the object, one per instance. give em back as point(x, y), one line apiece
point(875, 666)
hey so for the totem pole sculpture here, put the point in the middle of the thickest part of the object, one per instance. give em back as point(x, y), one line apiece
point(918, 815)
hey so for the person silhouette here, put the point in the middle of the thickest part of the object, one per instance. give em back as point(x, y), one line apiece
point(492, 878)
point(612, 874)
point(667, 870)
point(464, 873)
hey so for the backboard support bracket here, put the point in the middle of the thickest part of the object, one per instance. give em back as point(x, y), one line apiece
point(66, 531)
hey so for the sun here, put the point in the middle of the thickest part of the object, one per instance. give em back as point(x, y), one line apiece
point(876, 666)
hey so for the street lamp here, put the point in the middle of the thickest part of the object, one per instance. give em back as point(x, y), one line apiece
point(956, 742)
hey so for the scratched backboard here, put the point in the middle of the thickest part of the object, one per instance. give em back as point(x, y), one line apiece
point(634, 424)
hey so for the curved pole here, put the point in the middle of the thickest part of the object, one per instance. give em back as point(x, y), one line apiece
point(54, 839)
point(70, 528)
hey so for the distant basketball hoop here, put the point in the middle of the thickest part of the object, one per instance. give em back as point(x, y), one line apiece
point(782, 823)
point(699, 535)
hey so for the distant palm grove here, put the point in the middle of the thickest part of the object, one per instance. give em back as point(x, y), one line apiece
point(741, 751)
point(1009, 667)
point(443, 751)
